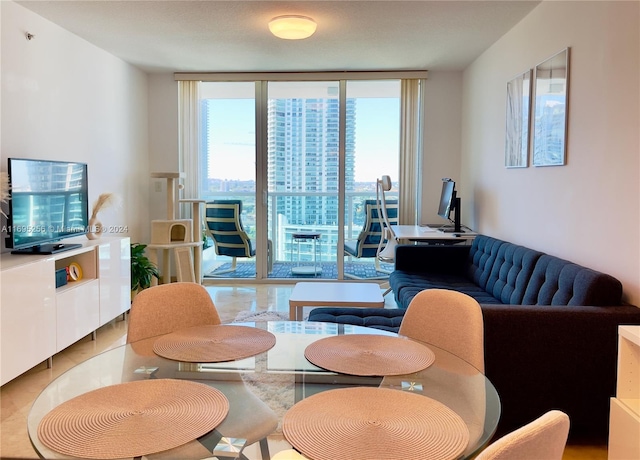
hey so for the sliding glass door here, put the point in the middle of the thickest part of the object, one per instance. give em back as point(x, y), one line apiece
point(303, 177)
point(227, 166)
point(375, 128)
point(299, 155)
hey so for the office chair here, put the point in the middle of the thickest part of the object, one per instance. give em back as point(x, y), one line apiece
point(369, 239)
point(387, 246)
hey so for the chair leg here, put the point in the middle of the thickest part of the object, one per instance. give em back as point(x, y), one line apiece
point(269, 256)
point(379, 267)
point(234, 265)
point(264, 449)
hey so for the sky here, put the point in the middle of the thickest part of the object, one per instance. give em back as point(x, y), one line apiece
point(232, 136)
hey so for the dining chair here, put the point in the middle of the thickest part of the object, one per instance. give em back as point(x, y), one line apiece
point(449, 320)
point(166, 308)
point(545, 438)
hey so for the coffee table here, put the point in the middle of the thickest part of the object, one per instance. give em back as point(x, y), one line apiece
point(339, 294)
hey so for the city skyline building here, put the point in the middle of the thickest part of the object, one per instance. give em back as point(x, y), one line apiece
point(303, 157)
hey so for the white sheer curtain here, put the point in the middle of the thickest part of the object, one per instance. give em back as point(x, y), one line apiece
point(410, 150)
point(188, 139)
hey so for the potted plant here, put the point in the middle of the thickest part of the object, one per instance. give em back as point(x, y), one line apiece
point(142, 269)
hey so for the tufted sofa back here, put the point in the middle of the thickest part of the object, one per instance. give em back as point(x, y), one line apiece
point(518, 275)
point(559, 282)
point(502, 269)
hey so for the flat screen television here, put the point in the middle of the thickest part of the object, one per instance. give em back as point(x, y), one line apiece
point(48, 202)
point(450, 202)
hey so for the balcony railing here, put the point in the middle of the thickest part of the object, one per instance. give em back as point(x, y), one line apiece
point(280, 229)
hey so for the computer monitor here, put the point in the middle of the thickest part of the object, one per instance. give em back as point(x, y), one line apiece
point(450, 202)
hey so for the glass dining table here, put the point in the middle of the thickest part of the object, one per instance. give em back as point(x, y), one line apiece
point(276, 379)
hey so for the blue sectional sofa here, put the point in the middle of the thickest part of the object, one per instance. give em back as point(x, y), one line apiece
point(550, 325)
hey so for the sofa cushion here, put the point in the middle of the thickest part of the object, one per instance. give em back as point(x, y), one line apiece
point(387, 319)
point(408, 284)
point(556, 281)
point(409, 287)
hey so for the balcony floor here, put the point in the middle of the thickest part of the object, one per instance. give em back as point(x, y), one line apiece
point(282, 270)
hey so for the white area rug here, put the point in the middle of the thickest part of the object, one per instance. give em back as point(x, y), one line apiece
point(248, 315)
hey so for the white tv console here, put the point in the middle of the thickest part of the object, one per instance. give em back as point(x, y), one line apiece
point(37, 320)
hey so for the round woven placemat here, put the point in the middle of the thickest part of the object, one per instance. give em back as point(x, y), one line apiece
point(133, 419)
point(365, 423)
point(212, 344)
point(364, 354)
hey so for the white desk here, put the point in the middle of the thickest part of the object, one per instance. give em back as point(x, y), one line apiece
point(424, 233)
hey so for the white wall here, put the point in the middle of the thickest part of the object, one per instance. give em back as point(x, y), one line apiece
point(65, 99)
point(589, 210)
point(441, 142)
point(163, 141)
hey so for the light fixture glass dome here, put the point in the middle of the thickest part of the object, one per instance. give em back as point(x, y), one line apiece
point(292, 27)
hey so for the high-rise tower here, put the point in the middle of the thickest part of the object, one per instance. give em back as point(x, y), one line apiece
point(303, 153)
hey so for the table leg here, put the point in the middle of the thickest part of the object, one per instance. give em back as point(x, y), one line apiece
point(315, 257)
point(295, 310)
point(166, 266)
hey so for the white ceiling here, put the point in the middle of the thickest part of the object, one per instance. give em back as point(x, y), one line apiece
point(232, 36)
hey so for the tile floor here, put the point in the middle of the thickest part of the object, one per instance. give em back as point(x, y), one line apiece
point(17, 396)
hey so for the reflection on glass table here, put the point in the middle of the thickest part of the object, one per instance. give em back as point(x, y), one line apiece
point(271, 383)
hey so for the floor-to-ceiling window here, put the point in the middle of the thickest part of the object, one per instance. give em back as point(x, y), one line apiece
point(303, 176)
point(297, 154)
point(375, 133)
point(227, 160)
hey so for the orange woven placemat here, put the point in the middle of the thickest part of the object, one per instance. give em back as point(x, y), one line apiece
point(365, 423)
point(364, 354)
point(210, 344)
point(133, 419)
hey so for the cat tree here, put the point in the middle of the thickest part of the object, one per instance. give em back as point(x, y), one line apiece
point(183, 237)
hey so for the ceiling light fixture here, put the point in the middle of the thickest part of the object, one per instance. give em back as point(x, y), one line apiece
point(291, 27)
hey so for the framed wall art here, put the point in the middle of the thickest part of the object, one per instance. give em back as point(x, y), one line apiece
point(517, 140)
point(550, 109)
